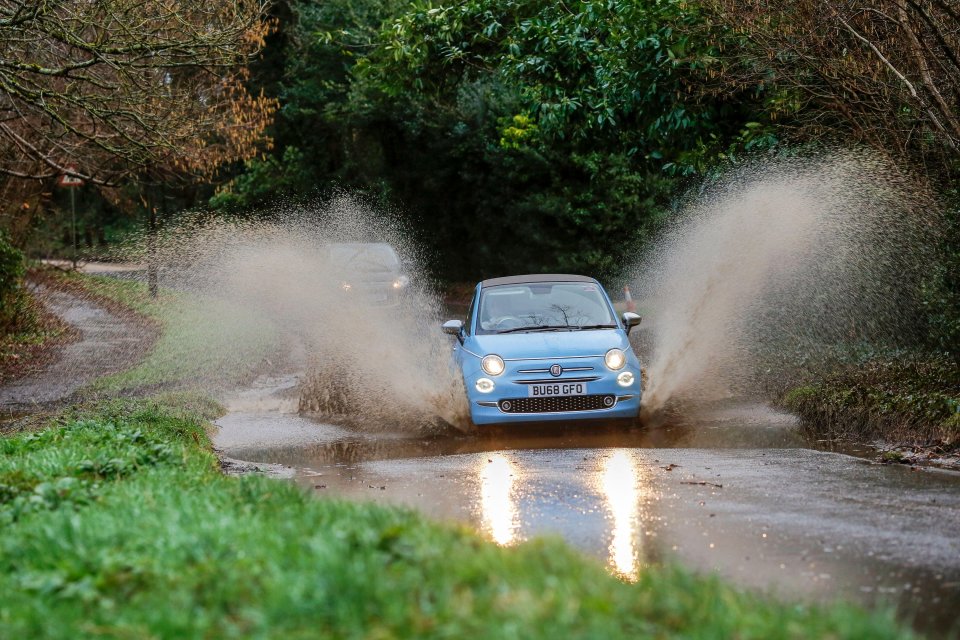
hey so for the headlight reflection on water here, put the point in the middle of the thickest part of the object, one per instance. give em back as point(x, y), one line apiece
point(498, 508)
point(619, 481)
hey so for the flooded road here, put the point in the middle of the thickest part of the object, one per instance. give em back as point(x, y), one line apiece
point(734, 491)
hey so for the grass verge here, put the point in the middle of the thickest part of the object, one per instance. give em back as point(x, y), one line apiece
point(202, 340)
point(905, 399)
point(118, 523)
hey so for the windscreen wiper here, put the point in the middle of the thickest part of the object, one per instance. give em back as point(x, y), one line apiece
point(596, 326)
point(548, 327)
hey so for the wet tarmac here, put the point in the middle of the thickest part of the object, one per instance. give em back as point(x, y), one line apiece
point(735, 491)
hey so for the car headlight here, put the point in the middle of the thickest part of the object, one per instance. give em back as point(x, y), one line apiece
point(625, 378)
point(492, 365)
point(401, 282)
point(615, 359)
point(485, 385)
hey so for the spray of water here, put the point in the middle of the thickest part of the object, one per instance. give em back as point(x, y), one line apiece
point(298, 283)
point(777, 262)
point(769, 266)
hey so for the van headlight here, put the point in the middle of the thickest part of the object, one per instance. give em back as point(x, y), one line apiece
point(615, 359)
point(492, 365)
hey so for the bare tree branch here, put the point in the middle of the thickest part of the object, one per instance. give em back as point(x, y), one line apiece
point(121, 87)
point(886, 72)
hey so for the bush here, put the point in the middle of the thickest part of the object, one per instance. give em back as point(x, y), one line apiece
point(899, 398)
point(12, 269)
point(943, 293)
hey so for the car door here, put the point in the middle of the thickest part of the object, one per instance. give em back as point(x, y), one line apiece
point(465, 332)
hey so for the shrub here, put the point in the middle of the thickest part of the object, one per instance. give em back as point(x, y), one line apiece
point(12, 269)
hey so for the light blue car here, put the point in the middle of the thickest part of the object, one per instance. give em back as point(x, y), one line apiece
point(546, 347)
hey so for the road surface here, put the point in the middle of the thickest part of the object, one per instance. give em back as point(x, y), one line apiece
point(735, 492)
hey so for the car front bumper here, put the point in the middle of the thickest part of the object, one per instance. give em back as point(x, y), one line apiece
point(627, 406)
point(606, 400)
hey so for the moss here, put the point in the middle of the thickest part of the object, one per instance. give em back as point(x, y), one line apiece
point(891, 456)
point(795, 398)
point(951, 429)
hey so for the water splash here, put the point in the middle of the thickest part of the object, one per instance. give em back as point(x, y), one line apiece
point(385, 363)
point(777, 262)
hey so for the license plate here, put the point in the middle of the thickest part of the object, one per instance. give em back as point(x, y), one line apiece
point(557, 389)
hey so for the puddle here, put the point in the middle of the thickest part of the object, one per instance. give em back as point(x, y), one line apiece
point(736, 492)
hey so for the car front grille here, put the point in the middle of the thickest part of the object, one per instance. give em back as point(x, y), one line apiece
point(557, 404)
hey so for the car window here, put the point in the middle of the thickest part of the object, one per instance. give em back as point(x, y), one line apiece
point(543, 305)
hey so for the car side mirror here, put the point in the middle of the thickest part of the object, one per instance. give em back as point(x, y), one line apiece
point(453, 327)
point(631, 320)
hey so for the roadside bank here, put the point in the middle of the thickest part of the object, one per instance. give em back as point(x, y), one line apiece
point(33, 343)
point(199, 341)
point(907, 408)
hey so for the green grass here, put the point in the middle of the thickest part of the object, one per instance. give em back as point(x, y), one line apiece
point(117, 523)
point(203, 340)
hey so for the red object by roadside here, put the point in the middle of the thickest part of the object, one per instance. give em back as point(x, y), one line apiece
point(631, 305)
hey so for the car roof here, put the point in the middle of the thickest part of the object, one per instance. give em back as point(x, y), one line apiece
point(537, 277)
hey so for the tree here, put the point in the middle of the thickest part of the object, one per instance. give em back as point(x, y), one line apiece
point(558, 132)
point(545, 135)
point(885, 73)
point(116, 87)
point(602, 74)
point(881, 72)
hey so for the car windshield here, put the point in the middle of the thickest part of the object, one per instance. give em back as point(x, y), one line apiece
point(380, 257)
point(543, 306)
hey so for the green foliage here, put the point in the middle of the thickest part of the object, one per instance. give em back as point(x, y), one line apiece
point(12, 270)
point(163, 545)
point(603, 73)
point(942, 293)
point(307, 68)
point(518, 131)
point(540, 137)
point(898, 397)
point(264, 179)
point(566, 128)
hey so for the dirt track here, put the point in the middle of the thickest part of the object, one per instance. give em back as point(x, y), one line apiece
point(108, 343)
